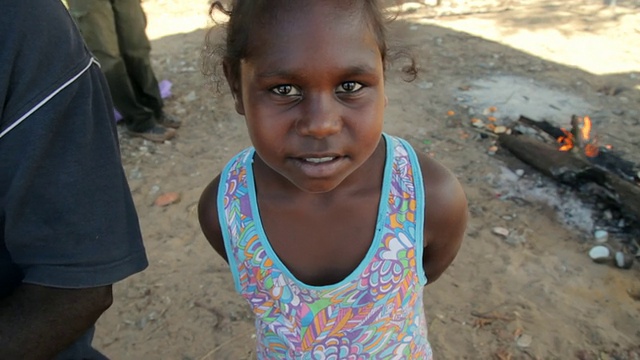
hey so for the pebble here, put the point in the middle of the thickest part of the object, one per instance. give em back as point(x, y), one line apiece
point(601, 236)
point(167, 199)
point(191, 97)
point(477, 123)
point(623, 260)
point(524, 340)
point(135, 174)
point(519, 172)
point(154, 189)
point(500, 129)
point(600, 253)
point(500, 231)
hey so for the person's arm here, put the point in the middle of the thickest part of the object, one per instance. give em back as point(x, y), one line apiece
point(68, 225)
point(37, 322)
point(208, 217)
point(445, 217)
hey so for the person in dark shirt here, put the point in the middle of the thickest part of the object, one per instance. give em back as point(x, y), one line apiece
point(68, 225)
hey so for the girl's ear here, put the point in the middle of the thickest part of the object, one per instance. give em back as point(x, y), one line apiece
point(234, 86)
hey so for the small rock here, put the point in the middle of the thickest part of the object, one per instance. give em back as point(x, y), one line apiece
point(191, 97)
point(135, 174)
point(524, 340)
point(519, 172)
point(500, 129)
point(601, 236)
point(477, 123)
point(600, 254)
point(515, 239)
point(167, 199)
point(500, 231)
point(624, 260)
point(492, 150)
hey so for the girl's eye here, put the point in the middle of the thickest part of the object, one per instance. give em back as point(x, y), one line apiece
point(285, 90)
point(349, 87)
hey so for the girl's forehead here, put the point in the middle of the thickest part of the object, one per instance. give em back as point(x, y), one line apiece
point(304, 27)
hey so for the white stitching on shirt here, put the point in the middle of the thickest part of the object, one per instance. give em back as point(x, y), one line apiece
point(45, 100)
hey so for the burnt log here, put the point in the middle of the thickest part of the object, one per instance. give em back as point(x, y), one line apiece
point(576, 170)
point(605, 159)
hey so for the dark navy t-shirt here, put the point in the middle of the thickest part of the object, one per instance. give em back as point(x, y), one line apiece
point(67, 218)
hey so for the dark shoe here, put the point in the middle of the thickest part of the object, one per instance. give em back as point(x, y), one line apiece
point(169, 121)
point(157, 133)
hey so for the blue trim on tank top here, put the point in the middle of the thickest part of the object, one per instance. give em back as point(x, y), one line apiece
point(383, 210)
point(421, 203)
point(222, 216)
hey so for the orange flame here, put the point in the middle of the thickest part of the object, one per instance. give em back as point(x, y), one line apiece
point(566, 141)
point(590, 144)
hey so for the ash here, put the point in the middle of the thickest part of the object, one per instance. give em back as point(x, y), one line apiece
point(570, 209)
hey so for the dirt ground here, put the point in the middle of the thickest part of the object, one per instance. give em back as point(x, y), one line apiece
point(538, 297)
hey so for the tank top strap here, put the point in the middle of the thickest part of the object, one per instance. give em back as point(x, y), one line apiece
point(236, 218)
point(406, 197)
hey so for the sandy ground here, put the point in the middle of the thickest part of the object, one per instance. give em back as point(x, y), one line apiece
point(536, 296)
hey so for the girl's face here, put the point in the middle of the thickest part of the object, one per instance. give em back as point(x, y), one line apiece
point(312, 93)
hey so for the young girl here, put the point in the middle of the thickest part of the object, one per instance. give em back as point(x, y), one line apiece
point(331, 227)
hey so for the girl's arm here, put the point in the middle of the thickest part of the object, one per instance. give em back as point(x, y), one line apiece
point(208, 217)
point(445, 217)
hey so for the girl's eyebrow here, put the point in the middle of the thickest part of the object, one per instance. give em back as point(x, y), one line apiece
point(348, 71)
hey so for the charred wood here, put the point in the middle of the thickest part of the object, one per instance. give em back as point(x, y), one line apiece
point(574, 169)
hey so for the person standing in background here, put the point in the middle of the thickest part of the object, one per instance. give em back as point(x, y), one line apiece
point(68, 225)
point(115, 31)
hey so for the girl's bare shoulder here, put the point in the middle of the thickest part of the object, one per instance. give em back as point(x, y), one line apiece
point(442, 188)
point(208, 217)
point(445, 201)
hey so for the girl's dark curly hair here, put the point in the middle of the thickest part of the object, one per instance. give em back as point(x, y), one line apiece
point(244, 15)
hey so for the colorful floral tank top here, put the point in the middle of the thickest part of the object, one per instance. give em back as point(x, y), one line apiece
point(376, 312)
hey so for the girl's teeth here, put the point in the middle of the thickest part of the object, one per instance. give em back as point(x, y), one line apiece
point(319, 160)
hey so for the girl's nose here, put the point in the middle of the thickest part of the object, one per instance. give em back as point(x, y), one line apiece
point(320, 118)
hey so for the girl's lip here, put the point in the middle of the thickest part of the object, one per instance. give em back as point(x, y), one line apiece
point(319, 160)
point(324, 165)
point(317, 156)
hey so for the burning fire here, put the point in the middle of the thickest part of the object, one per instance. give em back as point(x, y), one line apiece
point(582, 128)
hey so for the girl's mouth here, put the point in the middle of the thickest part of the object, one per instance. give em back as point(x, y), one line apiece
point(320, 166)
point(319, 160)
